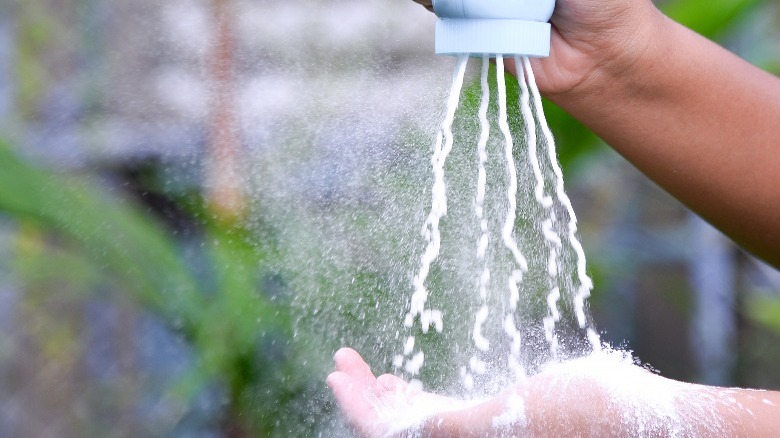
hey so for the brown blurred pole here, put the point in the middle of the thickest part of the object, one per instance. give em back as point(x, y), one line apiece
point(224, 189)
point(224, 194)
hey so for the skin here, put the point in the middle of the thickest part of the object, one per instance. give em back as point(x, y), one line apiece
point(700, 122)
point(573, 399)
point(696, 119)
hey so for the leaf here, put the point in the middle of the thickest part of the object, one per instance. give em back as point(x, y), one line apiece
point(765, 311)
point(112, 233)
point(710, 19)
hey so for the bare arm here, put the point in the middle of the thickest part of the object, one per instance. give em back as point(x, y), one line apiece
point(701, 122)
point(628, 402)
point(600, 395)
point(704, 125)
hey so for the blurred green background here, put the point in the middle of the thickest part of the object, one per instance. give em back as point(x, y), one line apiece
point(200, 201)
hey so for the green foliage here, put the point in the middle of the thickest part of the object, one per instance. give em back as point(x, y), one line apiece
point(239, 331)
point(710, 20)
point(765, 311)
point(112, 234)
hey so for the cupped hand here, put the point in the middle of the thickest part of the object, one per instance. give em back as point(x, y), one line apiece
point(383, 406)
point(360, 394)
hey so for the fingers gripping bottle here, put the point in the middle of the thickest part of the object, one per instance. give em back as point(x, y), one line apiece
point(495, 27)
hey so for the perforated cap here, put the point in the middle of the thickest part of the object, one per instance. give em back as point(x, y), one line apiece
point(492, 36)
point(496, 27)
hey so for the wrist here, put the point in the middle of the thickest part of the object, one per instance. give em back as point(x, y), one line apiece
point(622, 61)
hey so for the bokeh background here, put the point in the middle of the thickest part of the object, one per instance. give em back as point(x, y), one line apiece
point(200, 201)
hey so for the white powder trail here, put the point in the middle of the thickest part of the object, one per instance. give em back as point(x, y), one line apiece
point(530, 138)
point(550, 236)
point(509, 225)
point(431, 232)
point(511, 215)
point(482, 343)
point(549, 321)
point(586, 284)
point(482, 177)
point(482, 143)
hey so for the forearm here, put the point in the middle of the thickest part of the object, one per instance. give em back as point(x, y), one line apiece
point(750, 413)
point(702, 123)
point(589, 406)
point(567, 400)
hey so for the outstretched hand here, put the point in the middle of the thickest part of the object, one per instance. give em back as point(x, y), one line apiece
point(383, 406)
point(388, 406)
point(359, 393)
point(603, 394)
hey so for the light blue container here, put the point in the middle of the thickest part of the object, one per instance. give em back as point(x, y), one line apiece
point(496, 27)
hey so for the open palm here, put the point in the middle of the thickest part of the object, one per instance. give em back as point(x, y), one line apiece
point(385, 405)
